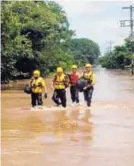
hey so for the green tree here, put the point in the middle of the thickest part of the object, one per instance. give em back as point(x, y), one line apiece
point(84, 50)
point(36, 35)
point(120, 56)
point(32, 32)
point(12, 44)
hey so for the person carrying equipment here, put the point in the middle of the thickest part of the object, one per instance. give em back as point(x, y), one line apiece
point(74, 77)
point(88, 89)
point(38, 87)
point(60, 83)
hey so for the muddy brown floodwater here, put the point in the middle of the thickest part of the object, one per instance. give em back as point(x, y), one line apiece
point(101, 136)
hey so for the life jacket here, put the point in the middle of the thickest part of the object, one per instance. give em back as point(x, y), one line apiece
point(74, 78)
point(88, 76)
point(37, 85)
point(60, 81)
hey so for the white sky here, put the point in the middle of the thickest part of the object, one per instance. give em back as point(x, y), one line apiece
point(98, 20)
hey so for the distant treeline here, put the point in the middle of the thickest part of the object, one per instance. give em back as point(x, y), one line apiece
point(120, 57)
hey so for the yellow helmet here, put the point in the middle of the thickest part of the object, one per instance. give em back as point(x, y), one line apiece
point(37, 72)
point(59, 70)
point(88, 65)
point(74, 67)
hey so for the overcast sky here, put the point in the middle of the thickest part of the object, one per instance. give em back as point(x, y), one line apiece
point(98, 20)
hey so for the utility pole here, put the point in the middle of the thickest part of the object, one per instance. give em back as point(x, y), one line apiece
point(109, 46)
point(129, 23)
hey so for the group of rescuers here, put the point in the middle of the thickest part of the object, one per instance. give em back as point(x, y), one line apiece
point(60, 82)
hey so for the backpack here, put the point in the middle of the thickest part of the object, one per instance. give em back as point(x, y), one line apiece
point(81, 84)
point(27, 89)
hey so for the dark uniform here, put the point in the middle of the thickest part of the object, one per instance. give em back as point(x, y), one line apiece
point(37, 86)
point(73, 88)
point(60, 83)
point(88, 92)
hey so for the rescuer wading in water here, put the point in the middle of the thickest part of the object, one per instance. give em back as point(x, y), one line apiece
point(74, 76)
point(60, 82)
point(88, 75)
point(38, 89)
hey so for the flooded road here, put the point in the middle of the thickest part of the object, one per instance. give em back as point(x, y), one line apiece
point(100, 136)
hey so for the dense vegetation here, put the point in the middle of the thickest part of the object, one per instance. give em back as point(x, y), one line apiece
point(83, 49)
point(120, 57)
point(36, 35)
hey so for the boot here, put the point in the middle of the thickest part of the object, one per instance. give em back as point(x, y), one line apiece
point(88, 103)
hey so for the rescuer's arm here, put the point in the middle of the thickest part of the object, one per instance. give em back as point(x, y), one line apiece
point(44, 88)
point(92, 81)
